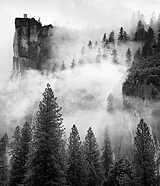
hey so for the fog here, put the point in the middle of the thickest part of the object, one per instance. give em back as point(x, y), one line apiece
point(82, 92)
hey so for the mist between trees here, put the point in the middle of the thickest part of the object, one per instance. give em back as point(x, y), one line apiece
point(41, 155)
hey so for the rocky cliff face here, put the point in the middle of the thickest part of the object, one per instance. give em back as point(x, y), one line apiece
point(32, 45)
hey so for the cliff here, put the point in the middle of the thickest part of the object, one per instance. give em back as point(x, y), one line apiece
point(32, 45)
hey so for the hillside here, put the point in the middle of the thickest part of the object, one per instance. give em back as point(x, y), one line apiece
point(143, 78)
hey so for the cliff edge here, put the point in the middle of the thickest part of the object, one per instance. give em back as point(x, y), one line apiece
point(32, 45)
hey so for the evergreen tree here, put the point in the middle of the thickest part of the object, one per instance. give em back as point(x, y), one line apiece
point(121, 174)
point(111, 37)
point(63, 67)
point(115, 58)
point(90, 44)
point(75, 170)
point(92, 156)
point(14, 161)
point(158, 42)
point(128, 56)
point(121, 34)
point(125, 36)
point(19, 154)
point(137, 54)
point(144, 156)
point(3, 161)
point(140, 34)
point(96, 44)
point(107, 157)
point(147, 49)
point(150, 35)
point(104, 38)
point(73, 64)
point(45, 166)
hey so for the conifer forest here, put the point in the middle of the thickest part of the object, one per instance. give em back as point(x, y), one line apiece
point(80, 93)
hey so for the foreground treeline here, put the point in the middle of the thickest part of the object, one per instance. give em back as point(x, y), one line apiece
point(39, 155)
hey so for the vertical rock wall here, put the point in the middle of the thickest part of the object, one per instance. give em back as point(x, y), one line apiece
point(32, 45)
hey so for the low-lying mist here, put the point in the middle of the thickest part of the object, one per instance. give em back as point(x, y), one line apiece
point(82, 92)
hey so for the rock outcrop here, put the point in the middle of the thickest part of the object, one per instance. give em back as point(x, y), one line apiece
point(32, 45)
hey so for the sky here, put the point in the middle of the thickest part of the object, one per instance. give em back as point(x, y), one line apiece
point(77, 14)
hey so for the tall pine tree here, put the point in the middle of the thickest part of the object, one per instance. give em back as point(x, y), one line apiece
point(3, 161)
point(19, 154)
point(76, 170)
point(92, 156)
point(45, 166)
point(144, 156)
point(107, 156)
point(14, 161)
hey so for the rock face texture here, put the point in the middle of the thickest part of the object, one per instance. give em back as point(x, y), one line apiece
point(32, 45)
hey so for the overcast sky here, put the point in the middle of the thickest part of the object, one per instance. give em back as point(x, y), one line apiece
point(71, 13)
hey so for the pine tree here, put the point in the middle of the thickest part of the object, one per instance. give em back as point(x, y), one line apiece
point(137, 54)
point(63, 67)
point(121, 174)
point(111, 37)
point(121, 34)
point(19, 154)
point(150, 35)
point(107, 157)
point(92, 156)
point(115, 58)
point(140, 34)
point(73, 64)
point(90, 44)
point(3, 161)
point(45, 166)
point(104, 38)
point(158, 42)
point(128, 56)
point(144, 156)
point(14, 161)
point(76, 168)
point(125, 36)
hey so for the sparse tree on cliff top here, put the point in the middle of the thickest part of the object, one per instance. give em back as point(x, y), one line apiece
point(90, 44)
point(73, 64)
point(92, 156)
point(3, 161)
point(144, 156)
point(104, 38)
point(45, 166)
point(111, 37)
point(121, 34)
point(63, 67)
point(76, 172)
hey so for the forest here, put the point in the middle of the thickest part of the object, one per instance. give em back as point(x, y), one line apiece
point(39, 153)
